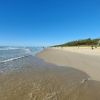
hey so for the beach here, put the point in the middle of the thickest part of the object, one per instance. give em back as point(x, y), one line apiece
point(38, 80)
point(87, 50)
point(82, 58)
point(52, 74)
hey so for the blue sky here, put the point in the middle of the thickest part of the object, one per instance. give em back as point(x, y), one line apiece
point(48, 22)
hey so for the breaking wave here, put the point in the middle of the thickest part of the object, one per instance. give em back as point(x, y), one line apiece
point(12, 59)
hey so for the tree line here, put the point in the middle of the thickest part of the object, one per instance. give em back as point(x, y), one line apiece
point(82, 42)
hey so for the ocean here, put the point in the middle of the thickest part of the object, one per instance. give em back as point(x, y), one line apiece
point(12, 58)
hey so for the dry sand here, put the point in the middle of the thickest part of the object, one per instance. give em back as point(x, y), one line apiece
point(81, 50)
point(83, 58)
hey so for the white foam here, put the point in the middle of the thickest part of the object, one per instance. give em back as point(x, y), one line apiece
point(9, 48)
point(11, 59)
point(27, 50)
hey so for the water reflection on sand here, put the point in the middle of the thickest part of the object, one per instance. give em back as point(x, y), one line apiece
point(36, 80)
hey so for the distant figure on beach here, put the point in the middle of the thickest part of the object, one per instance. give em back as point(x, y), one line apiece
point(92, 47)
point(78, 46)
point(95, 46)
point(43, 47)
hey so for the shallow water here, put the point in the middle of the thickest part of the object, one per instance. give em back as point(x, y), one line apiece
point(12, 58)
point(33, 79)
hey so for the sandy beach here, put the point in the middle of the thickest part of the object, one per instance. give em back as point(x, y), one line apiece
point(82, 50)
point(38, 80)
point(60, 74)
point(83, 58)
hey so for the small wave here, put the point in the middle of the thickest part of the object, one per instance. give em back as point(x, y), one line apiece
point(12, 59)
point(32, 51)
point(9, 48)
point(28, 51)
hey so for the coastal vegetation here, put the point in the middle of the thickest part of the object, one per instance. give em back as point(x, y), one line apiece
point(82, 42)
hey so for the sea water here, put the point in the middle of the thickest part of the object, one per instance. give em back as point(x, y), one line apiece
point(12, 58)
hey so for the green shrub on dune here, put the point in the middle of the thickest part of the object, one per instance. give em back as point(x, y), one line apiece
point(83, 42)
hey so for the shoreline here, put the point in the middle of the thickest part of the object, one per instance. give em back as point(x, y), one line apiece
point(87, 62)
point(41, 80)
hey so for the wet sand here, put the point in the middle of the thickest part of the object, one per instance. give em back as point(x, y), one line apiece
point(82, 59)
point(47, 83)
point(38, 80)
